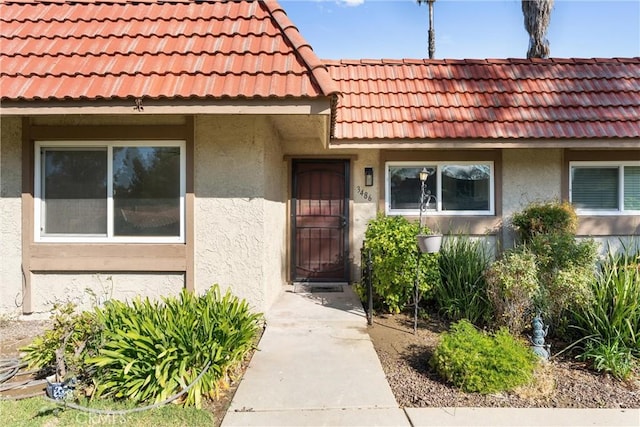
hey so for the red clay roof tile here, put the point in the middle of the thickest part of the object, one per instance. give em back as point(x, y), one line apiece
point(107, 49)
point(483, 99)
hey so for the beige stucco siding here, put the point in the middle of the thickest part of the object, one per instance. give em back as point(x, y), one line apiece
point(240, 217)
point(365, 203)
point(529, 175)
point(239, 221)
point(10, 215)
point(275, 212)
point(89, 289)
point(239, 232)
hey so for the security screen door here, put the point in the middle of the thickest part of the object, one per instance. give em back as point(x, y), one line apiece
point(320, 220)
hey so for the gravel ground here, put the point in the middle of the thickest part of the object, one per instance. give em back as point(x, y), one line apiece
point(15, 334)
point(561, 383)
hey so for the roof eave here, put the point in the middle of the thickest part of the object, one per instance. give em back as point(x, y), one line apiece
point(483, 143)
point(311, 106)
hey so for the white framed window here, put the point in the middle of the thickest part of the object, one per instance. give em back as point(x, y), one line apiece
point(460, 188)
point(605, 188)
point(110, 191)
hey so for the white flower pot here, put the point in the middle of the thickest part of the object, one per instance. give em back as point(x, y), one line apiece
point(429, 243)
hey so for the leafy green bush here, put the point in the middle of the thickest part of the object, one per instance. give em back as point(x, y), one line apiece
point(478, 362)
point(556, 251)
point(545, 218)
point(565, 265)
point(394, 251)
point(152, 350)
point(512, 286)
point(462, 292)
point(562, 291)
point(610, 322)
point(65, 346)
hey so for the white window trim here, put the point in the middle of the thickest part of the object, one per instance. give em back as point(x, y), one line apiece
point(438, 211)
point(603, 164)
point(109, 238)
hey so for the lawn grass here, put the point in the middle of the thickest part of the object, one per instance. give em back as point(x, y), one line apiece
point(36, 412)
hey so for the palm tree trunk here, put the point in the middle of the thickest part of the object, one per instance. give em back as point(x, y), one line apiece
point(432, 32)
point(537, 15)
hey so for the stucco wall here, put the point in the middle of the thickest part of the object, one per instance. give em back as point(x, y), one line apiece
point(241, 185)
point(529, 175)
point(275, 214)
point(240, 216)
point(365, 203)
point(89, 289)
point(10, 216)
point(230, 210)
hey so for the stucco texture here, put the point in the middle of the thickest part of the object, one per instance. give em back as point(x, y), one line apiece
point(240, 210)
point(10, 216)
point(90, 289)
point(528, 175)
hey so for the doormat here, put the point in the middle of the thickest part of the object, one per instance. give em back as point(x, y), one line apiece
point(315, 289)
point(323, 289)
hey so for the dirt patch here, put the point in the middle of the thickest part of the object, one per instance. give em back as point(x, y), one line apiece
point(560, 383)
point(15, 334)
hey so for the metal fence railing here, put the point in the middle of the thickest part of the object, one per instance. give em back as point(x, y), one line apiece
point(366, 265)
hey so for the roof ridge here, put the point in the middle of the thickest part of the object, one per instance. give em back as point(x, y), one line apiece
point(485, 61)
point(113, 1)
point(317, 67)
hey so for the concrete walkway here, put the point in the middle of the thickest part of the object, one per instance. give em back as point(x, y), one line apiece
point(316, 366)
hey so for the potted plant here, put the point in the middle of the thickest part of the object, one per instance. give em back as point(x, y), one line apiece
point(427, 242)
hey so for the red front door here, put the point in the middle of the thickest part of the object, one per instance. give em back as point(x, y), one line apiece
point(320, 220)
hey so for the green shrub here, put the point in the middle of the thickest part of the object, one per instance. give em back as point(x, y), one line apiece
point(512, 286)
point(394, 251)
point(562, 292)
point(545, 218)
point(565, 265)
point(610, 322)
point(478, 362)
point(557, 251)
point(462, 292)
point(65, 346)
point(152, 350)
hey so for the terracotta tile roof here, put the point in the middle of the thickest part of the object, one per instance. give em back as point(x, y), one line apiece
point(103, 49)
point(481, 99)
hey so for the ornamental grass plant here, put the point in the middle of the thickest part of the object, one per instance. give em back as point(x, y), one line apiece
point(462, 292)
point(610, 323)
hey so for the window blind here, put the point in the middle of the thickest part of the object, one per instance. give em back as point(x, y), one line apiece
point(632, 188)
point(595, 188)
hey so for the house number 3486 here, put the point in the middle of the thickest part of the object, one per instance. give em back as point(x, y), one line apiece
point(364, 194)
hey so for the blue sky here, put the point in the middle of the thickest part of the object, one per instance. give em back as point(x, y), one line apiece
point(354, 29)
